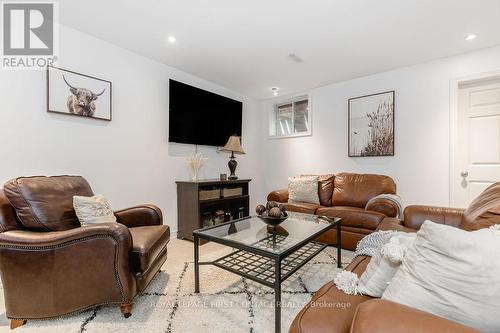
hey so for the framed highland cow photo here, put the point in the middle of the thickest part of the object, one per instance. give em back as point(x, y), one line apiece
point(77, 94)
point(371, 125)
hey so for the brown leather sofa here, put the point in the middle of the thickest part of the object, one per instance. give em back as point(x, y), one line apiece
point(345, 195)
point(51, 266)
point(333, 311)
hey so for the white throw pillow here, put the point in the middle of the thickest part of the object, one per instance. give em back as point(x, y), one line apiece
point(452, 273)
point(94, 209)
point(303, 189)
point(384, 265)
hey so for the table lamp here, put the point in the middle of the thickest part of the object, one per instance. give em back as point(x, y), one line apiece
point(233, 145)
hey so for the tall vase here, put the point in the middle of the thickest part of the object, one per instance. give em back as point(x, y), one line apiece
point(195, 162)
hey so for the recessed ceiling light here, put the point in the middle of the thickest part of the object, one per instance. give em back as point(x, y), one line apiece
point(275, 91)
point(171, 39)
point(470, 36)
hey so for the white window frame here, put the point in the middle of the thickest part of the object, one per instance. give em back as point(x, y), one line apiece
point(273, 115)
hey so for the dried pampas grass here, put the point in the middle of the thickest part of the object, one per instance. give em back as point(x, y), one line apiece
point(195, 162)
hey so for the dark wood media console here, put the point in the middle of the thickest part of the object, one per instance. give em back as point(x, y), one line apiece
point(205, 203)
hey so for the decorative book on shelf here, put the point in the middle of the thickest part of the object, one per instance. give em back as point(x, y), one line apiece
point(204, 203)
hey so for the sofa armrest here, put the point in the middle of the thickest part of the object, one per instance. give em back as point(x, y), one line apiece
point(392, 223)
point(93, 262)
point(415, 216)
point(32, 240)
point(278, 196)
point(384, 206)
point(140, 216)
point(381, 316)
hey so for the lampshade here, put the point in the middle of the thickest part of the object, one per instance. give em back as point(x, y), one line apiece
point(233, 145)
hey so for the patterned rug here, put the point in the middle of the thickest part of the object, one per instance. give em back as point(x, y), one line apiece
point(226, 301)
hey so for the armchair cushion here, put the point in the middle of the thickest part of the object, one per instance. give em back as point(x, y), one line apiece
point(8, 219)
point(148, 243)
point(46, 203)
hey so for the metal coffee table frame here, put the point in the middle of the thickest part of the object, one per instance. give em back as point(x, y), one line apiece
point(265, 267)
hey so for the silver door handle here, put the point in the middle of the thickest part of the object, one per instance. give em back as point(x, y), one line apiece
point(464, 173)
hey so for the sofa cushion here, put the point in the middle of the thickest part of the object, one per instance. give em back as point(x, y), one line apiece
point(148, 242)
point(453, 274)
point(353, 216)
point(352, 189)
point(325, 189)
point(331, 310)
point(302, 207)
point(46, 203)
point(303, 189)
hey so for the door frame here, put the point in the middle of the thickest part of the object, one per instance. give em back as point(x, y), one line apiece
point(454, 91)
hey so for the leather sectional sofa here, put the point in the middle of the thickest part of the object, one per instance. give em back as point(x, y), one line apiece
point(346, 195)
point(333, 311)
point(51, 266)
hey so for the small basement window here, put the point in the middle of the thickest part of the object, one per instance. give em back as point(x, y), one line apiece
point(290, 118)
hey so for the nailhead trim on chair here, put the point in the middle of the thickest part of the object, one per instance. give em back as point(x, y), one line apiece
point(117, 277)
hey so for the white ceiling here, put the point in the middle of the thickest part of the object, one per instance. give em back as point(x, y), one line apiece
point(244, 45)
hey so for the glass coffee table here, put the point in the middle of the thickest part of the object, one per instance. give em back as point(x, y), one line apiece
point(265, 254)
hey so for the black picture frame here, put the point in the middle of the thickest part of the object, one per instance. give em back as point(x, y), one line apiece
point(51, 108)
point(381, 143)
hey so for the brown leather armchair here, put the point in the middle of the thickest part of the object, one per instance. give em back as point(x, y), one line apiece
point(333, 311)
point(51, 266)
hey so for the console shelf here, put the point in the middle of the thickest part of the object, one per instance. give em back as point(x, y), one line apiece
point(191, 210)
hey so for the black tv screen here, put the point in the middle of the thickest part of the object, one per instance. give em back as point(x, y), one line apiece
point(200, 117)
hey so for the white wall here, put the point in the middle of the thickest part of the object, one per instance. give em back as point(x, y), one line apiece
point(420, 166)
point(128, 159)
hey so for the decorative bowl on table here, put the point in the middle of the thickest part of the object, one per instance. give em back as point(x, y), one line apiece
point(272, 213)
point(274, 221)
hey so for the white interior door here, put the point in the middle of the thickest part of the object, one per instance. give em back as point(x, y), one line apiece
point(477, 141)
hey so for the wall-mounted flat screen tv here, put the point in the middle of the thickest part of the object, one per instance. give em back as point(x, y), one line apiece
point(197, 116)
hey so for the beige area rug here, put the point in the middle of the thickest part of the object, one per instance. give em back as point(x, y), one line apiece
point(227, 302)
